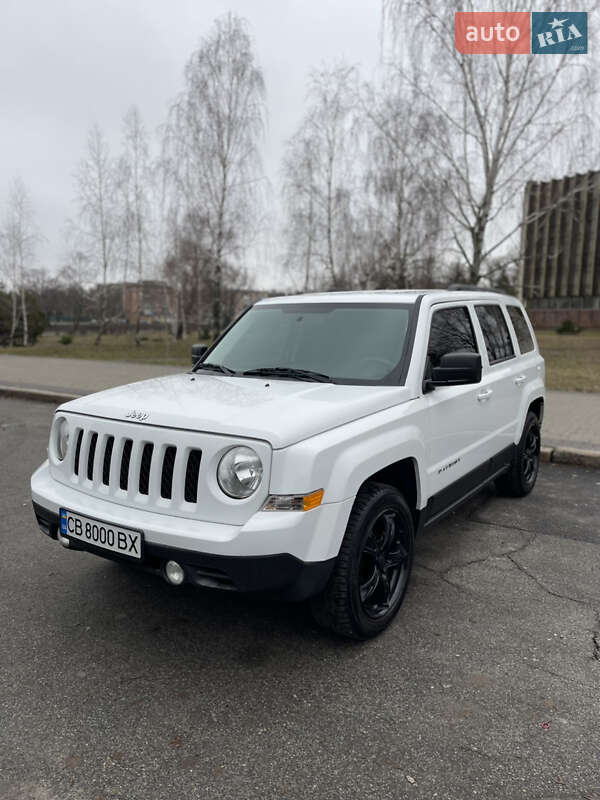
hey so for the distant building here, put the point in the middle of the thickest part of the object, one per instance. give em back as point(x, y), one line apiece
point(155, 299)
point(158, 302)
point(560, 273)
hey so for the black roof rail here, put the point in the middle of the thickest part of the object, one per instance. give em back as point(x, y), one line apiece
point(468, 287)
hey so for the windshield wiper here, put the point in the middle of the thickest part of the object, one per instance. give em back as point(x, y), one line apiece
point(290, 372)
point(214, 368)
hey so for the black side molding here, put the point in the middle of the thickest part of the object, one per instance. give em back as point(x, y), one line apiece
point(452, 496)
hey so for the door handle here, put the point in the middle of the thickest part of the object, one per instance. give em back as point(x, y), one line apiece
point(484, 395)
point(520, 380)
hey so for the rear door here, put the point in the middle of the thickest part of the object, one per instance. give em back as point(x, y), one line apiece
point(498, 379)
point(529, 366)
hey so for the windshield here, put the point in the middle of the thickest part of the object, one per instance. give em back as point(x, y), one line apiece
point(348, 342)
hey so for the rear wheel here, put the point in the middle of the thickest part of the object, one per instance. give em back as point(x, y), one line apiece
point(371, 575)
point(523, 472)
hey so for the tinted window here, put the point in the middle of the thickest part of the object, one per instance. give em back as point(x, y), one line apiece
point(495, 332)
point(352, 342)
point(521, 328)
point(451, 331)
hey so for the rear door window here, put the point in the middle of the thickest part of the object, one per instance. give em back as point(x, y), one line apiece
point(495, 333)
point(521, 327)
point(451, 332)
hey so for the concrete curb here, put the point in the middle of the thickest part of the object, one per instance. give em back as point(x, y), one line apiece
point(40, 395)
point(580, 458)
point(549, 454)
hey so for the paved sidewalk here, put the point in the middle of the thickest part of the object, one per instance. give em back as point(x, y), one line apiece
point(572, 419)
point(75, 375)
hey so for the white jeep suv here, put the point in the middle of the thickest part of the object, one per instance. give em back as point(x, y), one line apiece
point(305, 449)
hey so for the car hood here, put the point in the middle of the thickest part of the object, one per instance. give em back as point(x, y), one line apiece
point(280, 412)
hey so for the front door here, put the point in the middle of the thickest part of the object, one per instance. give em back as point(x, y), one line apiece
point(458, 416)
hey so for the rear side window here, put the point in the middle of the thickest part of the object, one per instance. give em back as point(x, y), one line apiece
point(451, 332)
point(521, 329)
point(495, 333)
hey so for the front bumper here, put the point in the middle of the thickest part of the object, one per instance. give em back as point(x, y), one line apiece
point(290, 553)
point(281, 574)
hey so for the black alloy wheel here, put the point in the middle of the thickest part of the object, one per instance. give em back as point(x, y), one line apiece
point(372, 571)
point(384, 567)
point(531, 454)
point(520, 478)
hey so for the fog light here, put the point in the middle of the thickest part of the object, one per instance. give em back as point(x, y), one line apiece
point(174, 573)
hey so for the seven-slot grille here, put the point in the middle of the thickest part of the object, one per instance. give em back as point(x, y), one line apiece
point(139, 468)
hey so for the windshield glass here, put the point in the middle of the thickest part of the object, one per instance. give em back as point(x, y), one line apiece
point(351, 342)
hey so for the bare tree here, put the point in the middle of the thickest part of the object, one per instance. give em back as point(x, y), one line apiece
point(320, 176)
point(187, 268)
point(18, 238)
point(135, 177)
point(406, 215)
point(212, 142)
point(96, 185)
point(299, 193)
point(498, 120)
point(74, 279)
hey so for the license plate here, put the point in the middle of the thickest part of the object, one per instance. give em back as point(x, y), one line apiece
point(105, 535)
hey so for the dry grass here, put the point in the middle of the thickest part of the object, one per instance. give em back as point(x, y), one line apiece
point(156, 348)
point(572, 360)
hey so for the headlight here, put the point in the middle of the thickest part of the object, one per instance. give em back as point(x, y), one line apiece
point(61, 438)
point(240, 472)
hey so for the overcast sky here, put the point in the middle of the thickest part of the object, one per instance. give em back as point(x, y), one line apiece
point(65, 64)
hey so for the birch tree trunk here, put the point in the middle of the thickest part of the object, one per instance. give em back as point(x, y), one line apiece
point(136, 175)
point(24, 316)
point(97, 197)
point(18, 239)
point(14, 319)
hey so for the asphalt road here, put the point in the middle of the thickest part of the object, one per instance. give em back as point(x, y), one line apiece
point(114, 685)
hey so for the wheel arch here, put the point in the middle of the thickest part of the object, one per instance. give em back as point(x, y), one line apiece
point(537, 406)
point(404, 476)
point(533, 400)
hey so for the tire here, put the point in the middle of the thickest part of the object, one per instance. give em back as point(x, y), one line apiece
point(373, 567)
point(522, 475)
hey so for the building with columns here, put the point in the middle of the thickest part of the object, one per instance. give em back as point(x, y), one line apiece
point(560, 249)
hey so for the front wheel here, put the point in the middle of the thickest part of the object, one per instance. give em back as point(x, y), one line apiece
point(371, 574)
point(522, 475)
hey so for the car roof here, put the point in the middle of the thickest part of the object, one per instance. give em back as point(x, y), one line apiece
point(386, 296)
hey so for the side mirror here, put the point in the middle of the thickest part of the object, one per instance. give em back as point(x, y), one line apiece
point(198, 351)
point(455, 369)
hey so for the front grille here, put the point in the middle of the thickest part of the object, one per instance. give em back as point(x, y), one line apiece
point(191, 476)
point(138, 467)
point(125, 459)
point(107, 459)
point(145, 467)
point(166, 482)
point(77, 452)
point(91, 454)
